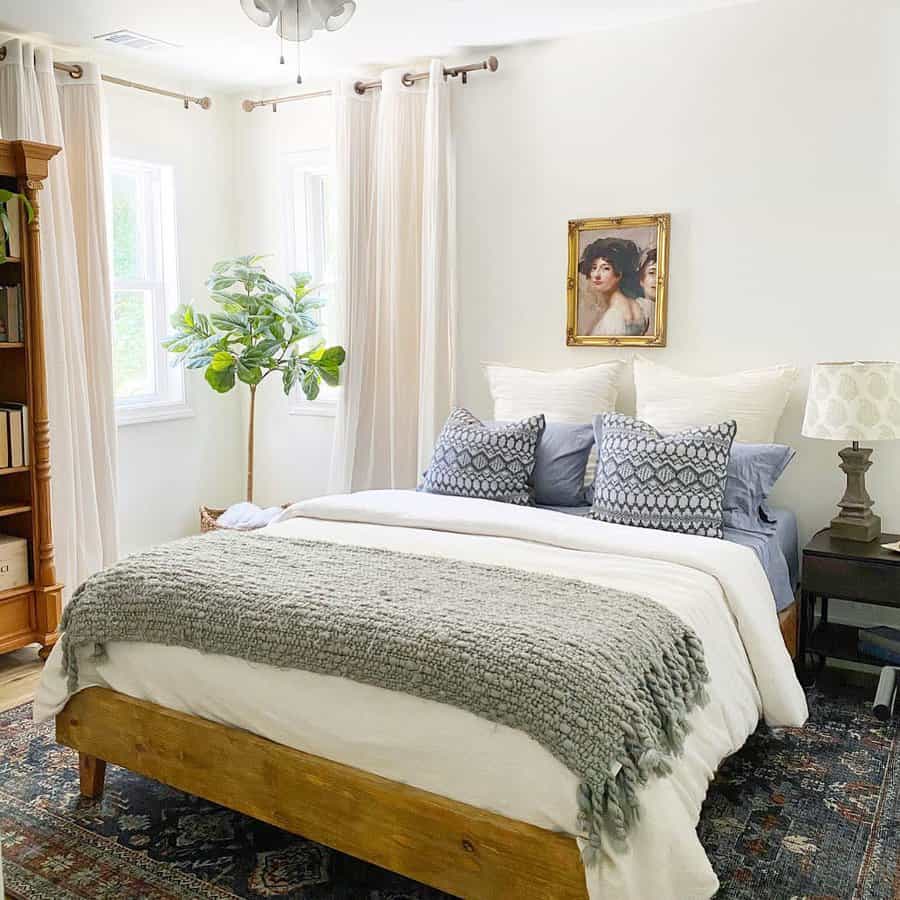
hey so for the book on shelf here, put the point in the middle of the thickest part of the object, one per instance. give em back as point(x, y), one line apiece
point(4, 439)
point(14, 447)
point(14, 240)
point(13, 562)
point(12, 324)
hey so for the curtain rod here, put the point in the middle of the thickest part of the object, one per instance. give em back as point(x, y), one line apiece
point(76, 71)
point(409, 79)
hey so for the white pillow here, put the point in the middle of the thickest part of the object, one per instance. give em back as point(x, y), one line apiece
point(572, 396)
point(672, 401)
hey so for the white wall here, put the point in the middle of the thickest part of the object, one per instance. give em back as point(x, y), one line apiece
point(167, 469)
point(293, 452)
point(770, 131)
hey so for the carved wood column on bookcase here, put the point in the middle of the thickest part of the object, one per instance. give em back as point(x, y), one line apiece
point(46, 567)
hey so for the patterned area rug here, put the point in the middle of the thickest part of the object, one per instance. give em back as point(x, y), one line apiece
point(797, 813)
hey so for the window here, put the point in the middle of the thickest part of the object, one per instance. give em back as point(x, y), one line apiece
point(308, 221)
point(144, 292)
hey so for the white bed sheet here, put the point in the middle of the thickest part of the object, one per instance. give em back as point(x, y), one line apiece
point(714, 586)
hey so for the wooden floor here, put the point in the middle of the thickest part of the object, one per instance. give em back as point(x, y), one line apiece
point(19, 675)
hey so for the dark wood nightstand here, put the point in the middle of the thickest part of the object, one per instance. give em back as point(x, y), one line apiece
point(844, 570)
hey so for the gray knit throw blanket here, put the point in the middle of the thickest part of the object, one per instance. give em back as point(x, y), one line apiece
point(603, 679)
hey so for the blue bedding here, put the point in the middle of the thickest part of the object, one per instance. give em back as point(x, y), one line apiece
point(778, 552)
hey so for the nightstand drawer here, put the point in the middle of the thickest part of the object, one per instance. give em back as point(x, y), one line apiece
point(848, 579)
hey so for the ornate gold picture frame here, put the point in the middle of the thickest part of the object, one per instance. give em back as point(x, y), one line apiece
point(618, 281)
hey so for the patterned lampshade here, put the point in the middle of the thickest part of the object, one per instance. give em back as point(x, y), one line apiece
point(853, 401)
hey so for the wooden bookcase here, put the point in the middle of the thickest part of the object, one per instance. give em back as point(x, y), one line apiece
point(28, 614)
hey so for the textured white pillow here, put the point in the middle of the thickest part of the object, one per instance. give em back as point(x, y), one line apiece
point(572, 396)
point(672, 401)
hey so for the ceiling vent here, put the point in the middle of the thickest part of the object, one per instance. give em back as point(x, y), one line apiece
point(126, 38)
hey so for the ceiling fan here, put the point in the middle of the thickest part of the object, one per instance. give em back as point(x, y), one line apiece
point(298, 20)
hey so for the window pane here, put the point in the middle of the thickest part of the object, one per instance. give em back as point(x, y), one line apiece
point(133, 357)
point(126, 240)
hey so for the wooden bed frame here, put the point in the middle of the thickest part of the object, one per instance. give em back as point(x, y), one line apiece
point(460, 849)
point(456, 848)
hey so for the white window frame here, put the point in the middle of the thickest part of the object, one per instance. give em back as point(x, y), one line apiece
point(159, 276)
point(308, 247)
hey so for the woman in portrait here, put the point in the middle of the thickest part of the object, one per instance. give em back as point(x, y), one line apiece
point(610, 303)
point(647, 278)
point(647, 274)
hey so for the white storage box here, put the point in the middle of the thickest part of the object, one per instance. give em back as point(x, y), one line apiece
point(13, 562)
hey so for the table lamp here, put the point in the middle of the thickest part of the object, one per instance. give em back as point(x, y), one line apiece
point(854, 401)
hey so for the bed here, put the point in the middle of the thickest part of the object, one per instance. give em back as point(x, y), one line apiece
point(429, 790)
point(778, 551)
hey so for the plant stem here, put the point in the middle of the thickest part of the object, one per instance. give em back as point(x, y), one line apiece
point(250, 444)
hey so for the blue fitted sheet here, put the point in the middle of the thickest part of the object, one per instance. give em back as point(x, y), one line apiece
point(778, 552)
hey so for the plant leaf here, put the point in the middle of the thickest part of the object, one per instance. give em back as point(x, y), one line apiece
point(222, 361)
point(310, 384)
point(249, 374)
point(288, 379)
point(230, 322)
point(332, 357)
point(220, 380)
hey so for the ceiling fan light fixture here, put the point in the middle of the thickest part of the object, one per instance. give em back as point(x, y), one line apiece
point(297, 22)
point(341, 14)
point(262, 12)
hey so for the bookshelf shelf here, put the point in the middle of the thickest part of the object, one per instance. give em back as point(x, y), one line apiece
point(31, 613)
point(13, 509)
point(10, 593)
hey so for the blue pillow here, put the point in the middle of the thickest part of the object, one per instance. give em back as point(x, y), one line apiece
point(753, 470)
point(560, 462)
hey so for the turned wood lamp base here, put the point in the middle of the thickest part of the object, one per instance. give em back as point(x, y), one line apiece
point(856, 521)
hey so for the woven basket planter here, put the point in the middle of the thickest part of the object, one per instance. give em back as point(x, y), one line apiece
point(209, 517)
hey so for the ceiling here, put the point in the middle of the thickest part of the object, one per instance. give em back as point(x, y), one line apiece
point(221, 49)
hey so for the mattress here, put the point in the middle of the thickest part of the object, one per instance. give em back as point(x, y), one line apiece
point(714, 586)
point(777, 552)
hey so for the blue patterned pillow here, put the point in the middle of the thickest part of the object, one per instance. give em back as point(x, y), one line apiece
point(494, 462)
point(673, 482)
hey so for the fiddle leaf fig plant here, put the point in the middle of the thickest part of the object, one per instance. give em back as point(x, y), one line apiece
point(263, 328)
point(5, 197)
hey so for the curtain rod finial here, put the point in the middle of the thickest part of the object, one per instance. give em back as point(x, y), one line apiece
point(205, 103)
point(248, 106)
point(493, 63)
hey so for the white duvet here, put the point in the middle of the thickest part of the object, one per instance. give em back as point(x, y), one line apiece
point(716, 587)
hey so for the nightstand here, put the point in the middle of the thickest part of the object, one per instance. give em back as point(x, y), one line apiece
point(844, 570)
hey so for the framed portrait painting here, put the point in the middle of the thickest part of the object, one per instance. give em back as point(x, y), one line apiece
point(618, 278)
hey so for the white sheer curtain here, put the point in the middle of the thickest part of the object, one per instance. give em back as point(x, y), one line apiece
point(77, 302)
point(396, 278)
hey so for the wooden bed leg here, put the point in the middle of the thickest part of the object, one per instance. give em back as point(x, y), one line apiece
point(91, 772)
